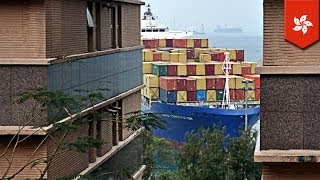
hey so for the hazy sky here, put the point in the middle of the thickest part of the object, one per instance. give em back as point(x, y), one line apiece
point(182, 14)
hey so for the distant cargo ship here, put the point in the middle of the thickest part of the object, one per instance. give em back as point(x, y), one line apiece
point(151, 30)
point(228, 29)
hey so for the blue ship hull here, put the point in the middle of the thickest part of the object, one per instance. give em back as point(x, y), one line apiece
point(183, 119)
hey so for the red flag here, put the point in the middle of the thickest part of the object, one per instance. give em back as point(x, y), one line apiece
point(301, 22)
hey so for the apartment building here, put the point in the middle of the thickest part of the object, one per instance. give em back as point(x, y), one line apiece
point(289, 134)
point(67, 45)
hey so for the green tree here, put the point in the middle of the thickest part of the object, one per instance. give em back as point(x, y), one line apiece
point(210, 154)
point(240, 160)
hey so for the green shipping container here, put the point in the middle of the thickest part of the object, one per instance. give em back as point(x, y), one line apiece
point(160, 69)
point(219, 94)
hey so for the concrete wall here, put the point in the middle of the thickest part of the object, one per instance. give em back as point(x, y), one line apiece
point(289, 113)
point(16, 79)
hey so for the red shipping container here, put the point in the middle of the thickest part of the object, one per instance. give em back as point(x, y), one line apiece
point(257, 94)
point(209, 69)
point(151, 43)
point(246, 71)
point(214, 56)
point(190, 54)
point(232, 93)
point(240, 95)
point(211, 82)
point(220, 82)
point(168, 83)
point(240, 55)
point(181, 84)
point(221, 56)
point(191, 84)
point(191, 96)
point(157, 56)
point(191, 69)
point(197, 43)
point(172, 70)
point(180, 43)
point(169, 42)
point(256, 79)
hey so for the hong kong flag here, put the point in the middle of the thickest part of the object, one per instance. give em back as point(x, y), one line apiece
point(302, 22)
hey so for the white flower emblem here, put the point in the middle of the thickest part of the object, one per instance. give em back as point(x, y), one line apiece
point(302, 24)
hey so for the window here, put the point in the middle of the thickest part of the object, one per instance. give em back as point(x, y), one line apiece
point(90, 27)
point(156, 30)
point(149, 30)
point(162, 30)
point(143, 30)
point(89, 19)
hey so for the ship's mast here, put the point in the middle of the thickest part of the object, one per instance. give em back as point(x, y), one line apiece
point(226, 68)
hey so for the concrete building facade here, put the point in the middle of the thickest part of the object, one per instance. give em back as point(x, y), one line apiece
point(67, 45)
point(289, 140)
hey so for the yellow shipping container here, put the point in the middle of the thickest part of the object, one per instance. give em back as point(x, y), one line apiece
point(147, 67)
point(251, 95)
point(232, 54)
point(204, 43)
point(181, 96)
point(165, 56)
point(198, 51)
point(251, 85)
point(236, 68)
point(152, 93)
point(151, 80)
point(190, 43)
point(182, 70)
point(253, 66)
point(200, 70)
point(201, 82)
point(205, 58)
point(211, 96)
point(162, 43)
point(183, 58)
point(218, 68)
point(239, 84)
point(174, 57)
point(147, 55)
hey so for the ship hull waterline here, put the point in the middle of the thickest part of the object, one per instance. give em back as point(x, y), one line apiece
point(181, 119)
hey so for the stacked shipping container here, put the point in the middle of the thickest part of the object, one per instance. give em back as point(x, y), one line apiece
point(186, 70)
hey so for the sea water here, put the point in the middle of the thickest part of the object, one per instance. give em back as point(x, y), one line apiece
point(252, 44)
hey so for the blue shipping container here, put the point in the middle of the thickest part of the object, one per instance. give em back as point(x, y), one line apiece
point(201, 95)
point(168, 96)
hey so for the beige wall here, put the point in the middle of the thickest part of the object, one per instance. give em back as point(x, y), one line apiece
point(22, 29)
point(22, 154)
point(277, 51)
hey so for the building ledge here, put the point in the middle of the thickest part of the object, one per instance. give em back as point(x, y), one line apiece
point(48, 61)
point(21, 130)
point(30, 130)
point(108, 155)
point(285, 156)
point(21, 61)
point(288, 70)
point(93, 54)
point(139, 2)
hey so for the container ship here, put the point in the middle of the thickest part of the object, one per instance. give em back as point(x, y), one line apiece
point(227, 29)
point(192, 86)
